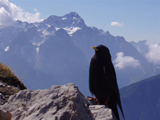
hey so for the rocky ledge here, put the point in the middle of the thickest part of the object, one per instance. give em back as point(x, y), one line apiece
point(64, 102)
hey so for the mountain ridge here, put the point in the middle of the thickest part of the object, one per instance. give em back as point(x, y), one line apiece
point(70, 48)
point(141, 100)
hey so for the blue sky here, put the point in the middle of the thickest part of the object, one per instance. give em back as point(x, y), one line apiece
point(133, 19)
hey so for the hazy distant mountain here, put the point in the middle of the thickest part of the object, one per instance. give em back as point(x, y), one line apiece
point(141, 100)
point(58, 50)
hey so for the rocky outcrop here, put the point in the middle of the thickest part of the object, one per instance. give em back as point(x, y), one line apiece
point(5, 115)
point(57, 103)
point(100, 112)
point(6, 91)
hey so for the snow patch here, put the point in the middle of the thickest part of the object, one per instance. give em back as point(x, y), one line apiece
point(6, 49)
point(37, 49)
point(57, 28)
point(69, 30)
point(64, 18)
point(45, 32)
point(48, 25)
point(72, 30)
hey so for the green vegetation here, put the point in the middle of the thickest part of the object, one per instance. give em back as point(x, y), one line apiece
point(7, 76)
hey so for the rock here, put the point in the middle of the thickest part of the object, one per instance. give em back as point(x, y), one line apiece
point(5, 115)
point(6, 91)
point(100, 112)
point(91, 101)
point(57, 103)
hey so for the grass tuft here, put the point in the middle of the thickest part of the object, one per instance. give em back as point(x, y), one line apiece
point(7, 76)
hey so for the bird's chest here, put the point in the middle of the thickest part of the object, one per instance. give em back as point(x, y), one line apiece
point(100, 70)
point(98, 66)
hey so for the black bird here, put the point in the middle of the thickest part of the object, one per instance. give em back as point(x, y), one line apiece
point(102, 80)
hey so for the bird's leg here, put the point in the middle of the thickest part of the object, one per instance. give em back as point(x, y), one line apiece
point(92, 98)
point(106, 103)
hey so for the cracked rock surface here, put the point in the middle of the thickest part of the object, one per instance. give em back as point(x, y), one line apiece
point(57, 103)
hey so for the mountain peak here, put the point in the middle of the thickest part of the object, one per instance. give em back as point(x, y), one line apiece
point(71, 19)
point(72, 14)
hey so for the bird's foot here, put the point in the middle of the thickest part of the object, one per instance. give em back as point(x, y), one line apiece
point(94, 99)
point(106, 103)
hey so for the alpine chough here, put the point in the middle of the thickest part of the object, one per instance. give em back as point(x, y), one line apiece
point(102, 80)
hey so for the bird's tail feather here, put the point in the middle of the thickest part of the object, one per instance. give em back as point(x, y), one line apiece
point(120, 106)
point(114, 110)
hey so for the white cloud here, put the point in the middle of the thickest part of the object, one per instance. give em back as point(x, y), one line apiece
point(35, 9)
point(10, 12)
point(116, 24)
point(153, 54)
point(122, 61)
point(5, 17)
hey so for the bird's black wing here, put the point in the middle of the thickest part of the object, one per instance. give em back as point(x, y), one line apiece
point(92, 75)
point(113, 81)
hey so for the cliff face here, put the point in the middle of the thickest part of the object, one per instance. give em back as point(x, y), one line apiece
point(58, 103)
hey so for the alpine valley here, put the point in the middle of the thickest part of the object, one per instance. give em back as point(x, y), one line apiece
point(58, 51)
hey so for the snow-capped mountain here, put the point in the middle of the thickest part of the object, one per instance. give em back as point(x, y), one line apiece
point(58, 50)
point(67, 21)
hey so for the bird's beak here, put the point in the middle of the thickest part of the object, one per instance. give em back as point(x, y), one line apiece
point(95, 48)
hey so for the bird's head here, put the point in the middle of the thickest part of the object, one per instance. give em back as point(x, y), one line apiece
point(102, 51)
